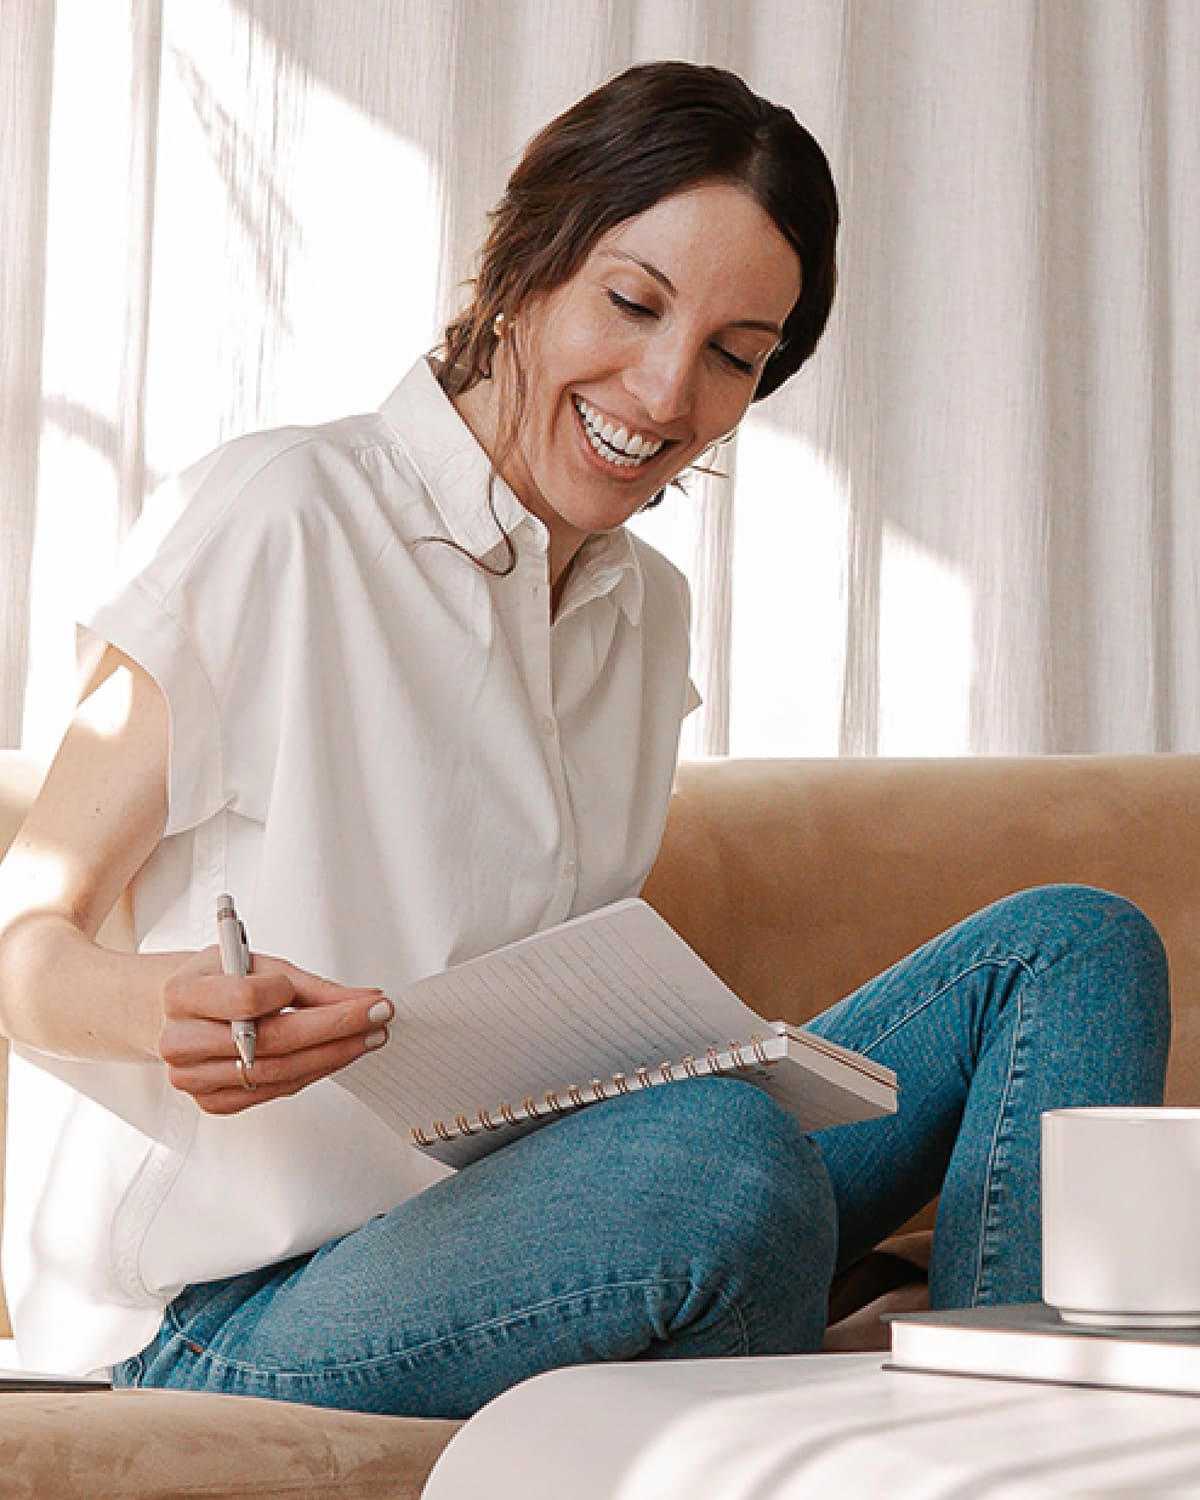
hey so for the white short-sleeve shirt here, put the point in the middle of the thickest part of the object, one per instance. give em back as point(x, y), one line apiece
point(395, 761)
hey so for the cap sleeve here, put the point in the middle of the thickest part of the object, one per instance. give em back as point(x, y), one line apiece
point(197, 603)
point(136, 623)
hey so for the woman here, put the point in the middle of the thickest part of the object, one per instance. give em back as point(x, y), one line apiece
point(408, 688)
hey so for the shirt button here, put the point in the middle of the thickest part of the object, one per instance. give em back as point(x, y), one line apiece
point(571, 868)
point(549, 727)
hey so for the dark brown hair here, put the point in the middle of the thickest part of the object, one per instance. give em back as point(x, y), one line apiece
point(654, 130)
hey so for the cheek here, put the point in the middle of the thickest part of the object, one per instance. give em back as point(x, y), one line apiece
point(721, 415)
point(572, 344)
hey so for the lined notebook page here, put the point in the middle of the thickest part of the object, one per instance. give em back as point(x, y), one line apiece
point(602, 994)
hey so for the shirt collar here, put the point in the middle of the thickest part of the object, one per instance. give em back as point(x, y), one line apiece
point(455, 471)
point(606, 564)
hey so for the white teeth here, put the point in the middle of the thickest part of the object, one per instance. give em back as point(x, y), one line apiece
point(616, 444)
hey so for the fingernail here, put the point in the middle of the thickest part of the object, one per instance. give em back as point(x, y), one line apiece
point(380, 1011)
point(374, 1039)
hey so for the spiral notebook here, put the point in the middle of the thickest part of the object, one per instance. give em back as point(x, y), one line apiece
point(597, 1007)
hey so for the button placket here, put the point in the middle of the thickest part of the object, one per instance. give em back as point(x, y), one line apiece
point(539, 656)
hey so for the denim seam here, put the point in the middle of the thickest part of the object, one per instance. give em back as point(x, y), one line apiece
point(1003, 1117)
point(206, 1352)
point(1032, 972)
point(998, 961)
point(728, 1306)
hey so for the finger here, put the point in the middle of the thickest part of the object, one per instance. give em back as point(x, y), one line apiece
point(218, 1087)
point(311, 989)
point(199, 988)
point(215, 996)
point(214, 1074)
point(236, 1100)
point(189, 1040)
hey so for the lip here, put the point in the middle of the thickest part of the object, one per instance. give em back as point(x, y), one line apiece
point(601, 465)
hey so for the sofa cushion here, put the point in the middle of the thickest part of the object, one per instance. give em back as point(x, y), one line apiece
point(117, 1445)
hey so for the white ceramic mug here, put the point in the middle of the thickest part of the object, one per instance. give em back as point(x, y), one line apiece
point(1121, 1216)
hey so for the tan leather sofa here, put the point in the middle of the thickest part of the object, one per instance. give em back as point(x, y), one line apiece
point(796, 880)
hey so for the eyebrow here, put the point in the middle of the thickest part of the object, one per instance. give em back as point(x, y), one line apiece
point(756, 324)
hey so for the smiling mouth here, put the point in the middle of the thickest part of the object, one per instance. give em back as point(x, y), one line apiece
point(614, 443)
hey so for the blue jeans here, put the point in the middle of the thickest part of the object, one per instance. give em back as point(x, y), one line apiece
point(698, 1220)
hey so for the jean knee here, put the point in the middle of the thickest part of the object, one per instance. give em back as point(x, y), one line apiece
point(1121, 942)
point(747, 1163)
point(1137, 957)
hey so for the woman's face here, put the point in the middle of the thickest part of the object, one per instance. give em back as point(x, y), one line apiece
point(647, 356)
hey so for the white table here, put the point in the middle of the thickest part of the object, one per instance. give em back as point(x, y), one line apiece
point(834, 1426)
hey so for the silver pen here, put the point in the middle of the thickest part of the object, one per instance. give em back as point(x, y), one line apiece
point(235, 959)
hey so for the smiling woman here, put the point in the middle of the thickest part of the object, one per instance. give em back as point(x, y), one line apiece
point(639, 363)
point(662, 256)
point(399, 755)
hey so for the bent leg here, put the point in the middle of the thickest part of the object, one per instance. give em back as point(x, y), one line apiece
point(1053, 997)
point(689, 1220)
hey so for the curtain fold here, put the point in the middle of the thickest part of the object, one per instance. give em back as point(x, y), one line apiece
point(970, 525)
point(26, 62)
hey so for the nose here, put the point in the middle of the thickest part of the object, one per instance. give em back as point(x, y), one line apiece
point(662, 380)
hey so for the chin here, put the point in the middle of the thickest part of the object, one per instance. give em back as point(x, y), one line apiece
point(608, 513)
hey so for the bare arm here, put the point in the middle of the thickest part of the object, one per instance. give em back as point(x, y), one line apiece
point(98, 818)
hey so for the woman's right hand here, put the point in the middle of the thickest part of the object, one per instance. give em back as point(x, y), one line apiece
point(98, 818)
point(308, 1027)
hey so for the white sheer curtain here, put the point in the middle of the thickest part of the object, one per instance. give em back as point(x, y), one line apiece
point(970, 525)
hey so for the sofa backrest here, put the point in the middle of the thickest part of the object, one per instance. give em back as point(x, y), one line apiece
point(798, 880)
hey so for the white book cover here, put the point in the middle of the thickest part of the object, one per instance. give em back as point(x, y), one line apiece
point(1029, 1341)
